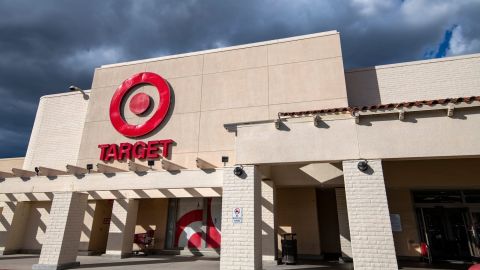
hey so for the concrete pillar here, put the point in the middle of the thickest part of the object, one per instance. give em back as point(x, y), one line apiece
point(87, 228)
point(369, 217)
point(62, 238)
point(343, 227)
point(269, 232)
point(122, 228)
point(13, 218)
point(241, 237)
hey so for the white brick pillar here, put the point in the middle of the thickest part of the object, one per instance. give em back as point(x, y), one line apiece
point(369, 217)
point(13, 218)
point(269, 232)
point(343, 227)
point(62, 238)
point(122, 228)
point(242, 240)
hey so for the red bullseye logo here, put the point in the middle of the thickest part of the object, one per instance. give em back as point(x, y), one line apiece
point(139, 104)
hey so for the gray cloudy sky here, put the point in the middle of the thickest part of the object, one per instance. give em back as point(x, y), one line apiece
point(45, 46)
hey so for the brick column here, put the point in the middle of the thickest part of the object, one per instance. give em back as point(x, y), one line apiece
point(122, 228)
point(269, 232)
point(369, 217)
point(344, 229)
point(13, 218)
point(62, 238)
point(241, 242)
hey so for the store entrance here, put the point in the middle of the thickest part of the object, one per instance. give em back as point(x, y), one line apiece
point(445, 232)
point(449, 223)
point(194, 224)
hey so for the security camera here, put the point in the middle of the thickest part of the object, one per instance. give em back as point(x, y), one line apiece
point(238, 171)
point(362, 165)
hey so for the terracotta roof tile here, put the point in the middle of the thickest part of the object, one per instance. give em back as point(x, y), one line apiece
point(389, 106)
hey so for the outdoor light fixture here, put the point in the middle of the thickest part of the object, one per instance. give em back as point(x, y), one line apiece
point(356, 115)
point(317, 120)
point(238, 171)
point(225, 160)
point(75, 88)
point(278, 123)
point(151, 163)
point(362, 165)
point(89, 167)
point(37, 170)
point(401, 115)
point(450, 111)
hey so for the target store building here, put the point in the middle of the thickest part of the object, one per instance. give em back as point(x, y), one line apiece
point(221, 152)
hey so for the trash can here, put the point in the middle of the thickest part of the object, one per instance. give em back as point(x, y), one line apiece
point(289, 248)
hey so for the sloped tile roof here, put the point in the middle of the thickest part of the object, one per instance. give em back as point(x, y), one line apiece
point(389, 106)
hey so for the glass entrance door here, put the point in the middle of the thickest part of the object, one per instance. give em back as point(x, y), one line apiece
point(446, 233)
point(474, 231)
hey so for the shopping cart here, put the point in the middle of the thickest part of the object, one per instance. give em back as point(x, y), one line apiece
point(145, 241)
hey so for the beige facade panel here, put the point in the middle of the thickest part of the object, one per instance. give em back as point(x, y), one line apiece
point(420, 135)
point(57, 131)
point(235, 89)
point(315, 48)
point(296, 142)
point(214, 137)
point(419, 80)
point(187, 92)
point(246, 58)
point(177, 67)
point(115, 76)
point(99, 104)
point(307, 81)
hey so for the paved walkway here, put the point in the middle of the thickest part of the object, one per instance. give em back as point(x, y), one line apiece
point(25, 262)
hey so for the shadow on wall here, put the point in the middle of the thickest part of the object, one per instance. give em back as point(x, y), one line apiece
point(362, 87)
point(36, 226)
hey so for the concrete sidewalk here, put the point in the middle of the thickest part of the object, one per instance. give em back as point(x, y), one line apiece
point(25, 262)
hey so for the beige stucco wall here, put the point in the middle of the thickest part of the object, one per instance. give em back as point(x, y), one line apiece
point(424, 134)
point(100, 225)
point(419, 80)
point(315, 174)
point(211, 88)
point(328, 221)
point(37, 223)
point(152, 215)
point(303, 222)
point(6, 164)
point(407, 241)
point(57, 131)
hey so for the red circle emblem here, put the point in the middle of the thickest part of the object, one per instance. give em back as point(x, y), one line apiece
point(139, 104)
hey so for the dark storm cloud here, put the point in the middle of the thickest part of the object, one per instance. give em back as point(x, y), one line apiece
point(47, 45)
